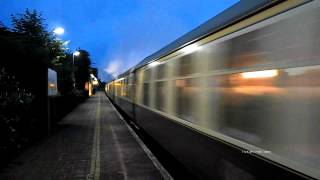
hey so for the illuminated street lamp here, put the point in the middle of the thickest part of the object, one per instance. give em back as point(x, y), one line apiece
point(58, 31)
point(76, 53)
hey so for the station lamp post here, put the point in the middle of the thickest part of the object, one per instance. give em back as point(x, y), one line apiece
point(58, 31)
point(74, 54)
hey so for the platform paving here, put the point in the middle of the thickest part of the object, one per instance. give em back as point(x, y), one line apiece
point(92, 142)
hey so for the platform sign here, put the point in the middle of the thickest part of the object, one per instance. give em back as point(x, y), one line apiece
point(52, 83)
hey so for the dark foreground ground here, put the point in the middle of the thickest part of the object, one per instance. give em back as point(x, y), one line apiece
point(92, 142)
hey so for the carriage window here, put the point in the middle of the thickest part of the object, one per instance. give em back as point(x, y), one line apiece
point(146, 87)
point(160, 95)
point(146, 75)
point(139, 77)
point(187, 98)
point(185, 65)
point(118, 88)
point(125, 87)
point(161, 71)
point(216, 55)
point(271, 109)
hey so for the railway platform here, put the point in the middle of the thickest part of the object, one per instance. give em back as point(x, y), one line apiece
point(92, 142)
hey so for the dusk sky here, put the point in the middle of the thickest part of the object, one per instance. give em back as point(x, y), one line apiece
point(118, 33)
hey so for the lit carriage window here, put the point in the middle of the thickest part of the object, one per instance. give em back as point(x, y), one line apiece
point(126, 87)
point(161, 93)
point(131, 87)
point(161, 71)
point(216, 55)
point(187, 98)
point(185, 65)
point(275, 110)
point(146, 87)
point(122, 88)
point(146, 75)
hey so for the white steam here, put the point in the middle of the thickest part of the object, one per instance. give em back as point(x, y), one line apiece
point(113, 68)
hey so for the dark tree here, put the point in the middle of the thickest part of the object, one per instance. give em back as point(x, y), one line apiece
point(82, 69)
point(57, 54)
point(2, 27)
point(94, 71)
point(27, 50)
point(31, 25)
point(39, 41)
point(64, 71)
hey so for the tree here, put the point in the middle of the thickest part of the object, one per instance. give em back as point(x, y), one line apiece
point(2, 26)
point(82, 68)
point(64, 71)
point(31, 25)
point(57, 54)
point(94, 71)
point(39, 43)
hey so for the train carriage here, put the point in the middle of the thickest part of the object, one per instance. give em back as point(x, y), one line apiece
point(238, 97)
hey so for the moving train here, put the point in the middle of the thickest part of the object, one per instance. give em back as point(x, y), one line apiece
point(236, 98)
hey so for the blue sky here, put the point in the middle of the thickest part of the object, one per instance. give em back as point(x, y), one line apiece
point(119, 33)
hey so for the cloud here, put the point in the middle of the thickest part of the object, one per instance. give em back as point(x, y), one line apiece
point(118, 65)
point(113, 68)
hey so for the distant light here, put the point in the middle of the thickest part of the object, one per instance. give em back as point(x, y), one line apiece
point(260, 74)
point(58, 31)
point(180, 83)
point(76, 53)
point(95, 82)
point(191, 48)
point(153, 64)
point(119, 79)
point(51, 85)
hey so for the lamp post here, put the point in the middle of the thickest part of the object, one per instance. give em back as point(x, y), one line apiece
point(76, 53)
point(58, 31)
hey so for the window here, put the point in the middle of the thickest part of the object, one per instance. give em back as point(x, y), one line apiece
point(161, 95)
point(187, 98)
point(146, 87)
point(161, 71)
point(274, 111)
point(146, 75)
point(185, 65)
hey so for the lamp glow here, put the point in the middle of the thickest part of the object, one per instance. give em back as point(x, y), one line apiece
point(95, 82)
point(260, 74)
point(153, 64)
point(76, 53)
point(119, 79)
point(190, 49)
point(58, 31)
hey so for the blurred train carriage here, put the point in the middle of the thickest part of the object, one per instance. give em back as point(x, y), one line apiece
point(238, 97)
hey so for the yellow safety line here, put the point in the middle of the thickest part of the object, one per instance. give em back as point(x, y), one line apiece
point(164, 173)
point(95, 154)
